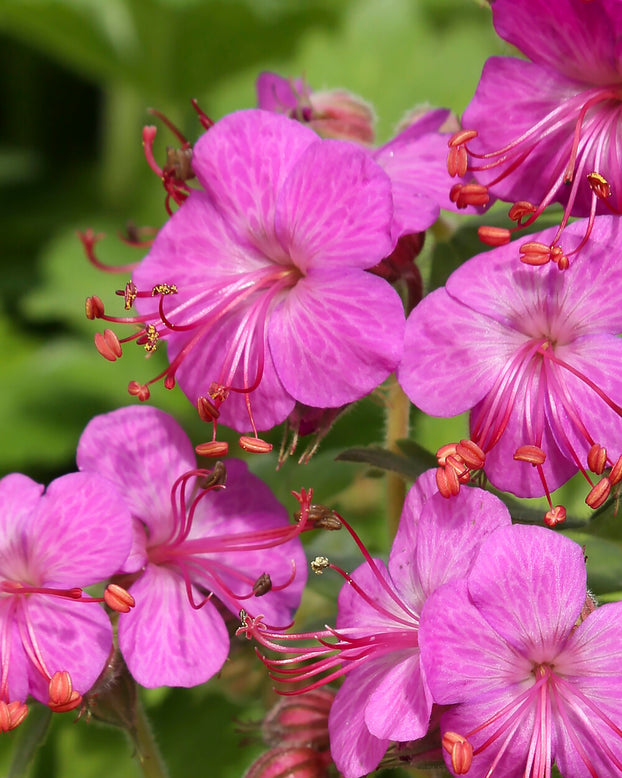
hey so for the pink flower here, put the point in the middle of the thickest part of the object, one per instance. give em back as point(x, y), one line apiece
point(194, 541)
point(258, 283)
point(548, 129)
point(385, 696)
point(535, 355)
point(532, 670)
point(53, 645)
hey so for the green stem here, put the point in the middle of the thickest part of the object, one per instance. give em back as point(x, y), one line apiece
point(397, 428)
point(147, 751)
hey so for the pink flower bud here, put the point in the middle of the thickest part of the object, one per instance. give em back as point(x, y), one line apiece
point(290, 762)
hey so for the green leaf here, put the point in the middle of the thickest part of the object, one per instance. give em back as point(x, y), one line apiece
point(388, 460)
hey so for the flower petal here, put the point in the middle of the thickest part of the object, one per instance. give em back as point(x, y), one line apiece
point(452, 355)
point(529, 583)
point(19, 497)
point(70, 636)
point(355, 750)
point(335, 208)
point(243, 162)
point(143, 451)
point(166, 642)
point(336, 336)
point(80, 532)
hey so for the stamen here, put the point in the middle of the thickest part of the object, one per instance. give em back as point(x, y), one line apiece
point(461, 752)
point(62, 696)
point(598, 493)
point(93, 308)
point(254, 445)
point(555, 516)
point(213, 448)
point(12, 714)
point(262, 585)
point(319, 564)
point(447, 481)
point(118, 599)
point(597, 459)
point(494, 236)
point(108, 345)
point(534, 455)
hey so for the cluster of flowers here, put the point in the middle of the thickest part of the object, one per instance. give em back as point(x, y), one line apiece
point(271, 285)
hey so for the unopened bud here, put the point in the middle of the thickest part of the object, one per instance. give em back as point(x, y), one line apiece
point(286, 762)
point(300, 720)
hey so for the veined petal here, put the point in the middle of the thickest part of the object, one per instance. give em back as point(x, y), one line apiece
point(452, 355)
point(12, 655)
point(336, 336)
point(244, 184)
point(335, 208)
point(143, 451)
point(79, 533)
point(562, 36)
point(278, 94)
point(166, 642)
point(463, 656)
point(70, 636)
point(355, 750)
point(529, 584)
point(451, 533)
point(19, 497)
point(399, 707)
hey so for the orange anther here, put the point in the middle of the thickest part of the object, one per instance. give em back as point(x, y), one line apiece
point(62, 695)
point(118, 599)
point(597, 458)
point(93, 307)
point(598, 493)
point(534, 455)
point(535, 253)
point(139, 390)
point(214, 448)
point(460, 137)
point(471, 453)
point(521, 209)
point(254, 445)
point(447, 481)
point(599, 185)
point(615, 476)
point(12, 714)
point(457, 161)
point(108, 345)
point(555, 516)
point(444, 451)
point(461, 752)
point(494, 236)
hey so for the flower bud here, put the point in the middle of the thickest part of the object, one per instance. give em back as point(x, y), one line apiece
point(300, 720)
point(290, 762)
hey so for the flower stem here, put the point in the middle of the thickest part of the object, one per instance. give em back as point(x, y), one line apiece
point(147, 751)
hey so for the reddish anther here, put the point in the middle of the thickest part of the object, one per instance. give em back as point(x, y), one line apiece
point(598, 493)
point(534, 455)
point(460, 137)
point(214, 448)
point(206, 409)
point(139, 390)
point(108, 345)
point(555, 516)
point(599, 185)
point(597, 459)
point(461, 752)
point(118, 599)
point(471, 454)
point(464, 195)
point(62, 695)
point(12, 714)
point(93, 307)
point(457, 161)
point(254, 445)
point(494, 236)
point(521, 209)
point(448, 449)
point(535, 253)
point(615, 476)
point(447, 481)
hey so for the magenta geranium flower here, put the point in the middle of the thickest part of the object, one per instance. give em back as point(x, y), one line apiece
point(385, 696)
point(549, 129)
point(54, 639)
point(192, 544)
point(532, 669)
point(534, 354)
point(258, 284)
